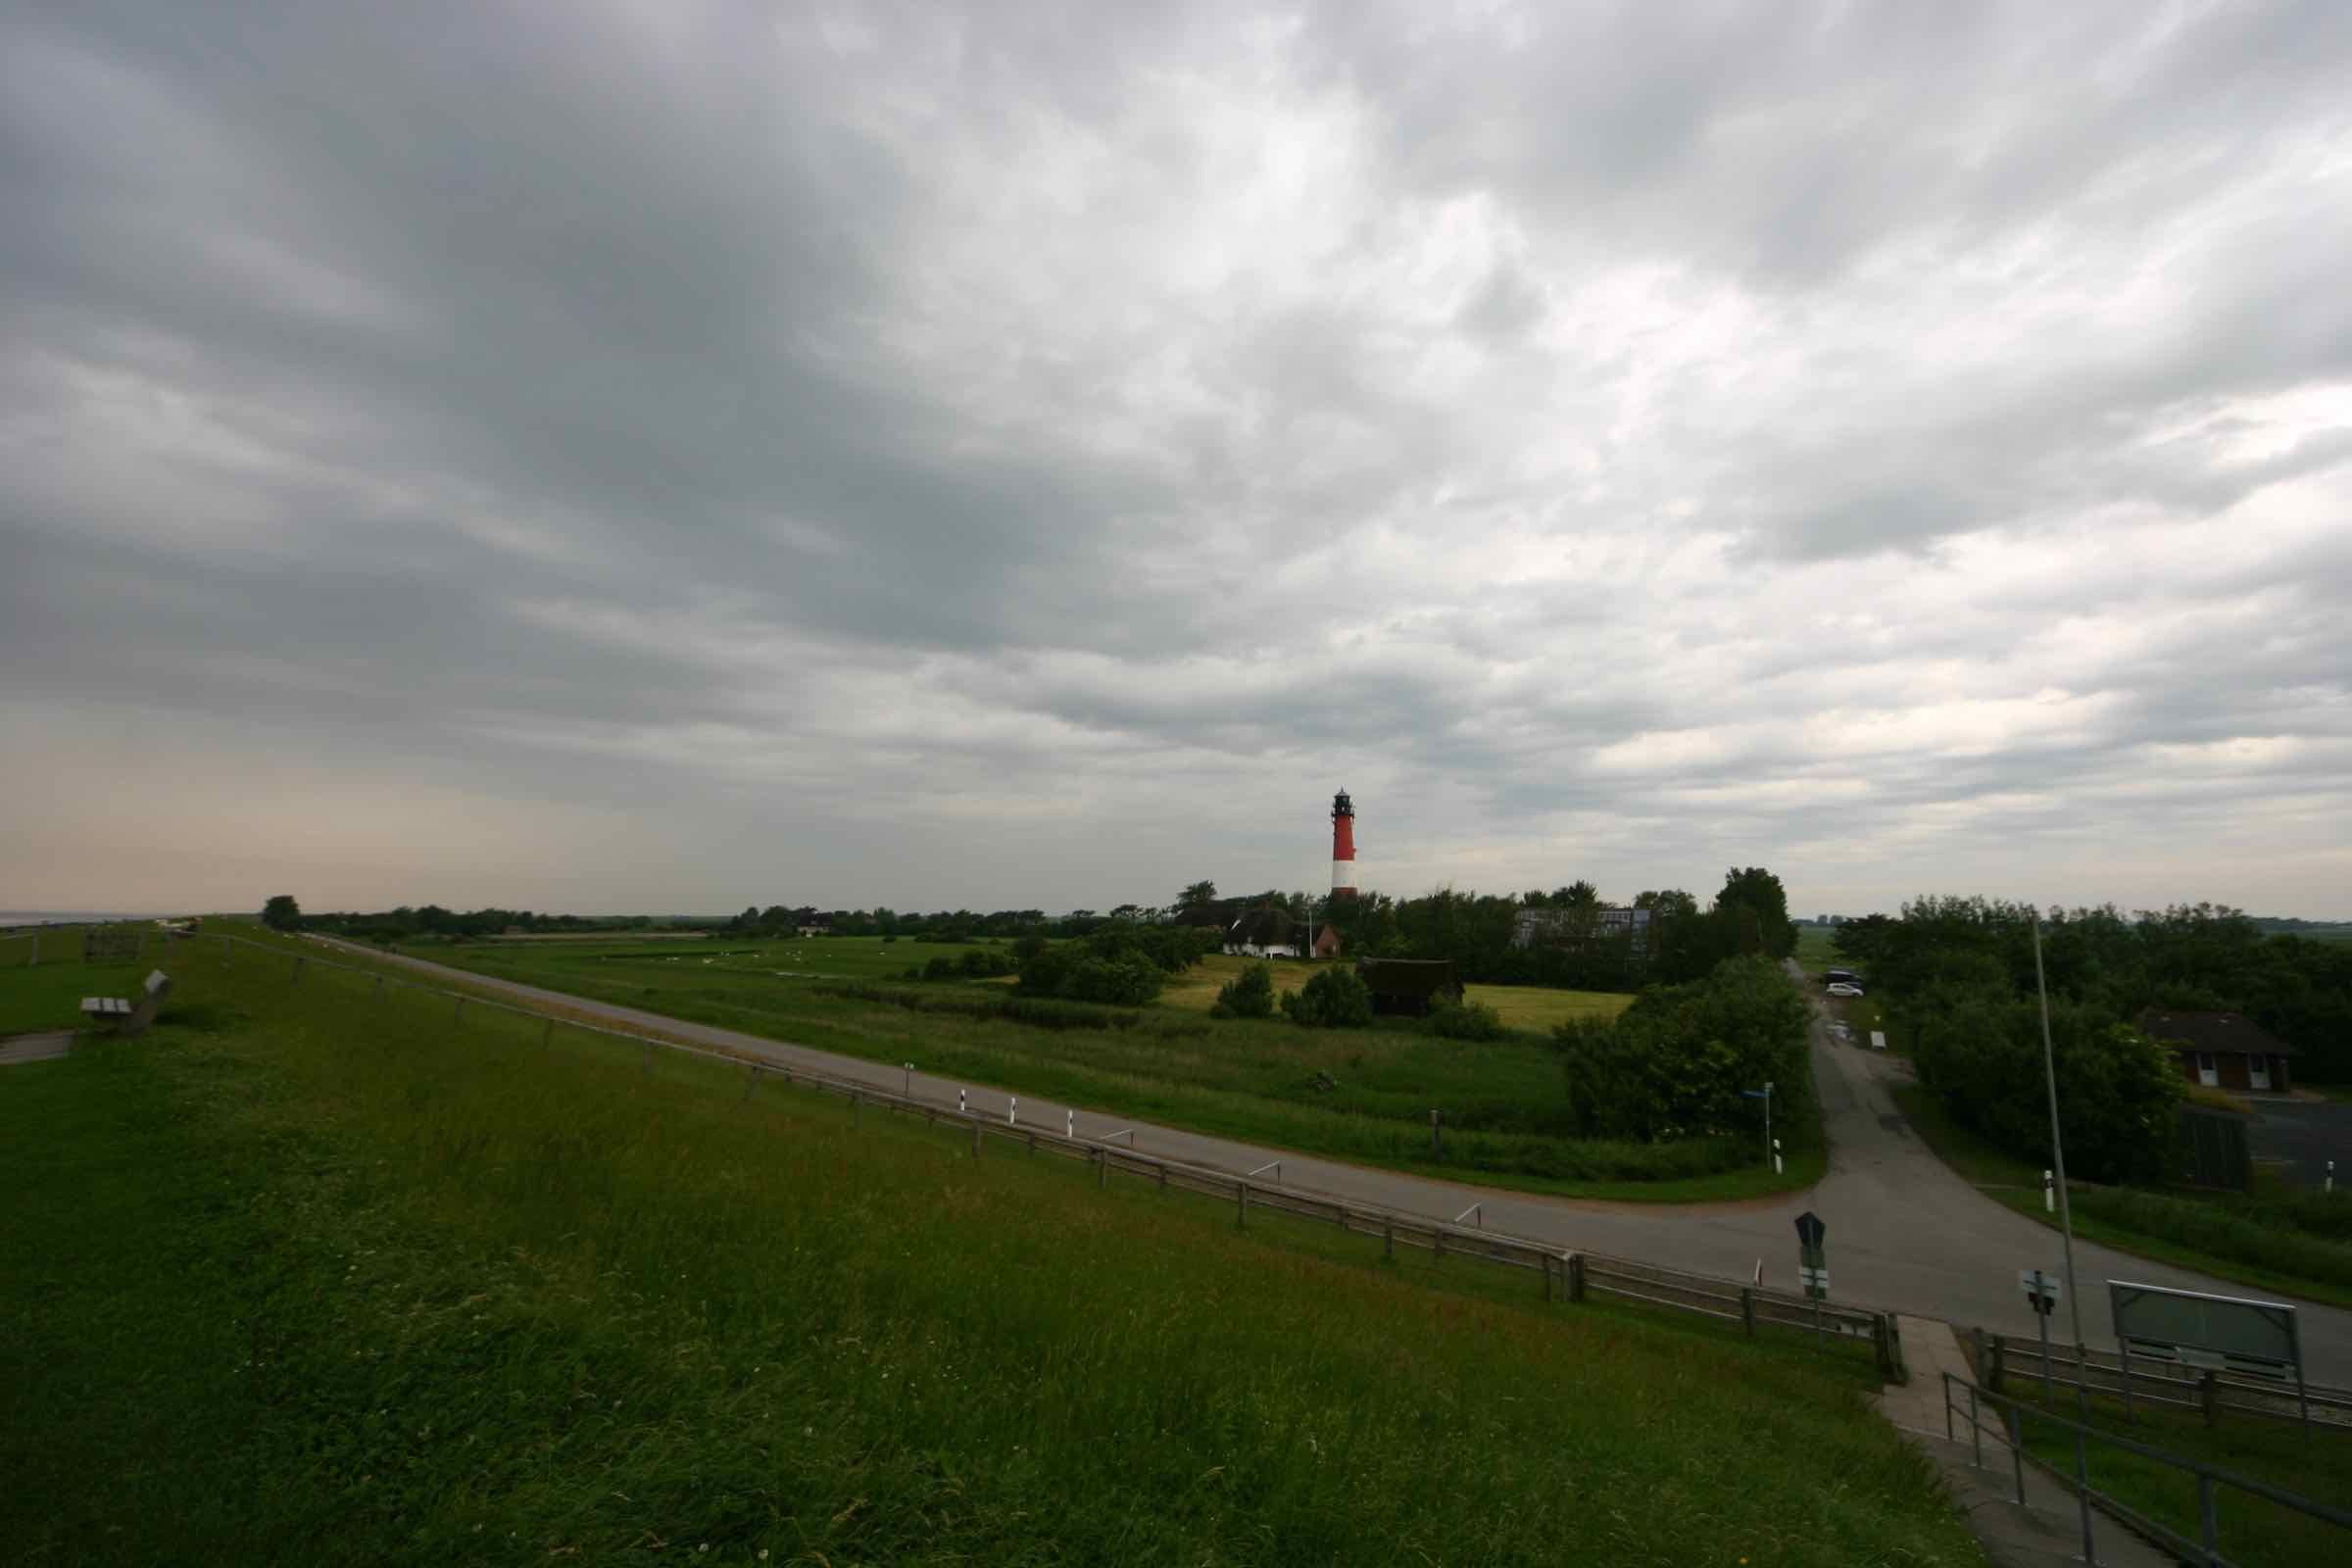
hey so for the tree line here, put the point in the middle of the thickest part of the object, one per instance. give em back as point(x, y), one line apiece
point(1954, 978)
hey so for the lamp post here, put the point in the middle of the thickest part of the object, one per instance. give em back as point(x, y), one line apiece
point(2066, 1217)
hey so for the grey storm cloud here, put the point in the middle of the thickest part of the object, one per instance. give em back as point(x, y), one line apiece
point(671, 455)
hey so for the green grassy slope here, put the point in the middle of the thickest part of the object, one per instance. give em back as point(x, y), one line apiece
point(1362, 1094)
point(302, 1276)
point(2316, 1465)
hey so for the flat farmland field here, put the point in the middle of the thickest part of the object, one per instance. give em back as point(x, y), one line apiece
point(1817, 947)
point(1362, 1094)
point(1531, 1007)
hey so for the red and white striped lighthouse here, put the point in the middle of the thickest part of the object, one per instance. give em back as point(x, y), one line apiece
point(1343, 846)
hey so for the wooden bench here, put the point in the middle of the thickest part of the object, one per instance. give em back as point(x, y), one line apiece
point(126, 1017)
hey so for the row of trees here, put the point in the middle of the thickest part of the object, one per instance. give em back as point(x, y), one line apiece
point(408, 922)
point(1577, 947)
point(2192, 958)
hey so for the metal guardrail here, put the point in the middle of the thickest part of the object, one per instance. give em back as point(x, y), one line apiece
point(2209, 1392)
point(1567, 1274)
point(2206, 1550)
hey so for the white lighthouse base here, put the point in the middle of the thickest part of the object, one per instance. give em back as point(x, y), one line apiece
point(1343, 874)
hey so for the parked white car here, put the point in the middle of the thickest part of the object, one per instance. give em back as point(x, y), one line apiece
point(1845, 988)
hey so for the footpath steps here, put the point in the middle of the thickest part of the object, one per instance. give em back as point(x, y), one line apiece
point(2046, 1530)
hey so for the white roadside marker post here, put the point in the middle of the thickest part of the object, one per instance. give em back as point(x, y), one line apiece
point(2049, 1193)
point(1012, 1111)
point(1777, 1167)
point(960, 1105)
point(1070, 1125)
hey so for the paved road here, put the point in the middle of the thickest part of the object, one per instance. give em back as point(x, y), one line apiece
point(2302, 1136)
point(1904, 1233)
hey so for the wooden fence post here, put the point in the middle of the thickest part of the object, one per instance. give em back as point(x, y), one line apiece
point(1544, 1260)
point(1241, 1205)
point(1102, 1170)
point(1576, 1276)
point(1747, 1310)
point(1994, 1369)
point(1387, 1236)
point(2206, 1398)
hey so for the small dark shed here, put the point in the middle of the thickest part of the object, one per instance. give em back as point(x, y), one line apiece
point(1408, 986)
point(2222, 1050)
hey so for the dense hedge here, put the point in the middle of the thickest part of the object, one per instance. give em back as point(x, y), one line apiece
point(1125, 966)
point(1979, 1052)
point(1673, 1066)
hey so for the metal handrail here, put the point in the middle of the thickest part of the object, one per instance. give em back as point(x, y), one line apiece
point(2207, 1476)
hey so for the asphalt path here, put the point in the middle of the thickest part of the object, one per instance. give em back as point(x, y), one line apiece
point(1905, 1234)
point(2300, 1137)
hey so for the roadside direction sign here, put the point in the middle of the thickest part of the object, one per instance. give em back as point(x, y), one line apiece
point(1812, 1267)
point(1877, 1039)
point(2043, 1290)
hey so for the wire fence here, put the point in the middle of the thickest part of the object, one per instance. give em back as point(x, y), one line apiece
point(1567, 1274)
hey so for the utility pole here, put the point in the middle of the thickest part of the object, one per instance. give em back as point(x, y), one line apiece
point(2066, 1217)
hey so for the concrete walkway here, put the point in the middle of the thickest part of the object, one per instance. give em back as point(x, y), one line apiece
point(42, 1046)
point(1981, 1472)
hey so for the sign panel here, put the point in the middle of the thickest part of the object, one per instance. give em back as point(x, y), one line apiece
point(1877, 1039)
point(1809, 1229)
point(2158, 1320)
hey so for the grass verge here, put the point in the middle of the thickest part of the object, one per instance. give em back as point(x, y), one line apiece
point(2226, 1235)
point(307, 1276)
point(2251, 1529)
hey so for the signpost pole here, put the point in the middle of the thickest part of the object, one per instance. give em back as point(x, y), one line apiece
point(2041, 1315)
point(2066, 1217)
point(1768, 1144)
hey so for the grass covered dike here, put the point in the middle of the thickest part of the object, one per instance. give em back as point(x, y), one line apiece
point(1361, 1095)
point(304, 1276)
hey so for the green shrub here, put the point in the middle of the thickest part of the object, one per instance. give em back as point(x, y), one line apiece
point(1674, 1064)
point(1248, 995)
point(1466, 1021)
point(1331, 999)
point(1979, 1052)
point(1109, 967)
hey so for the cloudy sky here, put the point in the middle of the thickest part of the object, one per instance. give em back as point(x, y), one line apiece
point(671, 455)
